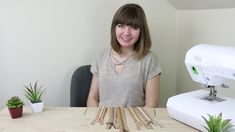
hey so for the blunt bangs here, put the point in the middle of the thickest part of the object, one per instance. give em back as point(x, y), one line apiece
point(130, 17)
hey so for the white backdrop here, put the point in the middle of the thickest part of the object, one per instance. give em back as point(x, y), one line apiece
point(46, 40)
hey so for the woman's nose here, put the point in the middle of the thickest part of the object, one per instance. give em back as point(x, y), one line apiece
point(127, 30)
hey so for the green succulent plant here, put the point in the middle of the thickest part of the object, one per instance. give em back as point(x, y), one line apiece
point(14, 102)
point(217, 124)
point(34, 93)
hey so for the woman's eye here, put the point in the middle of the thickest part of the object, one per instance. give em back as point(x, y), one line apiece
point(135, 27)
point(120, 25)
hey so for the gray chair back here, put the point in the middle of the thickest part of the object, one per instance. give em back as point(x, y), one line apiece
point(80, 86)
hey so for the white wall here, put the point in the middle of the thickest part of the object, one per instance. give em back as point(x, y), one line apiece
point(203, 26)
point(46, 40)
point(163, 28)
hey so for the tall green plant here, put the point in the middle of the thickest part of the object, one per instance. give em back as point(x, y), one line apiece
point(34, 93)
point(217, 124)
point(14, 102)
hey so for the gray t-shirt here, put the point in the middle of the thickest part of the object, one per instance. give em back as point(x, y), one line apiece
point(125, 89)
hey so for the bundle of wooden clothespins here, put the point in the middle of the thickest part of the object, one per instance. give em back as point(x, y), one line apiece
point(117, 118)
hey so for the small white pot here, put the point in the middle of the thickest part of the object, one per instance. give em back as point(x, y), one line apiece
point(37, 107)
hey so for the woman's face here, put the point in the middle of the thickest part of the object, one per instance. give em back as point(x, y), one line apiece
point(127, 35)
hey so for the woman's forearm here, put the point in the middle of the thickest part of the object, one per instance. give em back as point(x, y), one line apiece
point(92, 102)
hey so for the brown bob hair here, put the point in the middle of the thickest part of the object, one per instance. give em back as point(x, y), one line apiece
point(132, 15)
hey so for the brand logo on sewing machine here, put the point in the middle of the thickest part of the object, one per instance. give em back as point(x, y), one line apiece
point(198, 58)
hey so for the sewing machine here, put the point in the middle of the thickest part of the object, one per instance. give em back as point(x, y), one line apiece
point(209, 65)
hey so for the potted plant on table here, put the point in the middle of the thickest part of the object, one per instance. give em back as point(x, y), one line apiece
point(217, 124)
point(34, 94)
point(15, 107)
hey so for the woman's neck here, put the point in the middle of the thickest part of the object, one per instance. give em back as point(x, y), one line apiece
point(126, 52)
point(121, 58)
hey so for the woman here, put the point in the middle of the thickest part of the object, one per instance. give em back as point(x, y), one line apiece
point(128, 74)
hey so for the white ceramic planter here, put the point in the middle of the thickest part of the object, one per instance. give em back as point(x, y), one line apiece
point(37, 107)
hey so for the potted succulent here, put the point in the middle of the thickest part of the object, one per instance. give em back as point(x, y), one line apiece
point(34, 94)
point(217, 124)
point(15, 107)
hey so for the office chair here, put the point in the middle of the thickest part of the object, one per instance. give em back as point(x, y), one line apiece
point(80, 86)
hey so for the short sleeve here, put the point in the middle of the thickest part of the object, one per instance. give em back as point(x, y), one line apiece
point(97, 61)
point(94, 67)
point(154, 67)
